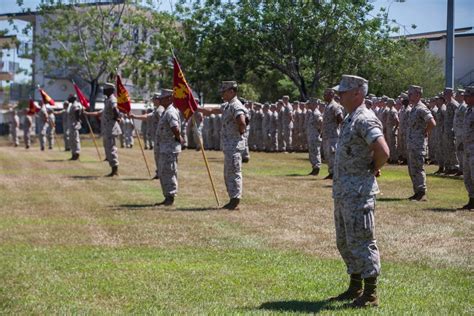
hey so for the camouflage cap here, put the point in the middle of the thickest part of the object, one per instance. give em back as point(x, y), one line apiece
point(108, 85)
point(390, 101)
point(156, 95)
point(349, 82)
point(469, 91)
point(165, 93)
point(414, 88)
point(448, 89)
point(226, 85)
point(403, 96)
point(460, 91)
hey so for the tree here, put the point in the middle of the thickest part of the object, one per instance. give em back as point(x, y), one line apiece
point(310, 42)
point(90, 42)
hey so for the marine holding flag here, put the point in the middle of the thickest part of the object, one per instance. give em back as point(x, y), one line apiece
point(234, 124)
point(74, 113)
point(110, 127)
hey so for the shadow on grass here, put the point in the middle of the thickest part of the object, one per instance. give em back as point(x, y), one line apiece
point(297, 175)
point(452, 177)
point(133, 206)
point(301, 306)
point(197, 209)
point(57, 160)
point(383, 199)
point(441, 209)
point(84, 177)
point(136, 179)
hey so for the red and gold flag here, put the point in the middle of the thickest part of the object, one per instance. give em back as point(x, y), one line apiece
point(123, 98)
point(82, 98)
point(32, 108)
point(183, 97)
point(46, 98)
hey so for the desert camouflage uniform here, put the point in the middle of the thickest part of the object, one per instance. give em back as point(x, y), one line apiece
point(331, 132)
point(169, 151)
point(354, 191)
point(313, 132)
point(233, 145)
point(416, 145)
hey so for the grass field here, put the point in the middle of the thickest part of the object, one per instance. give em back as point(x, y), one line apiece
point(72, 241)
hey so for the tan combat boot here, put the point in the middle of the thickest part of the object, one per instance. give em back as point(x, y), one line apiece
point(354, 291)
point(369, 297)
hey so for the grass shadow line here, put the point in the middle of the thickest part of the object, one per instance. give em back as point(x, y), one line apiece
point(383, 199)
point(441, 209)
point(136, 179)
point(301, 306)
point(197, 209)
point(123, 207)
point(84, 177)
point(57, 160)
point(452, 177)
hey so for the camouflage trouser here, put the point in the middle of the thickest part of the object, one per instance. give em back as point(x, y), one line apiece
point(416, 169)
point(288, 138)
point(438, 150)
point(402, 146)
point(169, 173)
point(74, 141)
point(246, 152)
point(355, 235)
point(259, 139)
point(314, 150)
point(330, 152)
point(233, 173)
point(449, 151)
point(468, 173)
point(392, 145)
point(50, 136)
point(66, 138)
point(15, 132)
point(156, 152)
point(111, 151)
point(460, 152)
point(273, 141)
point(129, 136)
point(27, 137)
point(42, 136)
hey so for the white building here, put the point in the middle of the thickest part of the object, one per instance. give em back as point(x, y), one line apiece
point(463, 52)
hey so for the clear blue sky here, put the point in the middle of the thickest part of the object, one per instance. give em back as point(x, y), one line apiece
point(427, 15)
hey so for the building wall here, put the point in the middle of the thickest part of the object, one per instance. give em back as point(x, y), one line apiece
point(463, 54)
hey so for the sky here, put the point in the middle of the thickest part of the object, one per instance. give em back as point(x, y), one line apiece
point(427, 15)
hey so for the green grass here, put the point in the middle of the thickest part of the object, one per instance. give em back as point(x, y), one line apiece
point(73, 242)
point(44, 280)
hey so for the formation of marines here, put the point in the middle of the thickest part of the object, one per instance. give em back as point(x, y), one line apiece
point(357, 134)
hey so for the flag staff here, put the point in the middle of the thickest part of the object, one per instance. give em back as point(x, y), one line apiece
point(121, 94)
point(179, 76)
point(206, 163)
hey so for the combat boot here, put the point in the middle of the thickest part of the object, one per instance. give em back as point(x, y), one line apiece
point(114, 172)
point(314, 172)
point(74, 157)
point(440, 170)
point(168, 201)
point(353, 292)
point(420, 196)
point(245, 159)
point(329, 177)
point(232, 205)
point(369, 297)
point(469, 205)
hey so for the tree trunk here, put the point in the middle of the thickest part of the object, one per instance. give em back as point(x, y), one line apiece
point(94, 92)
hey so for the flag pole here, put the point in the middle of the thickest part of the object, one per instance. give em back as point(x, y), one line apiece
point(141, 146)
point(206, 163)
point(93, 137)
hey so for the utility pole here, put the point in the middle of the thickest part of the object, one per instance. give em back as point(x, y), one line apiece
point(449, 73)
